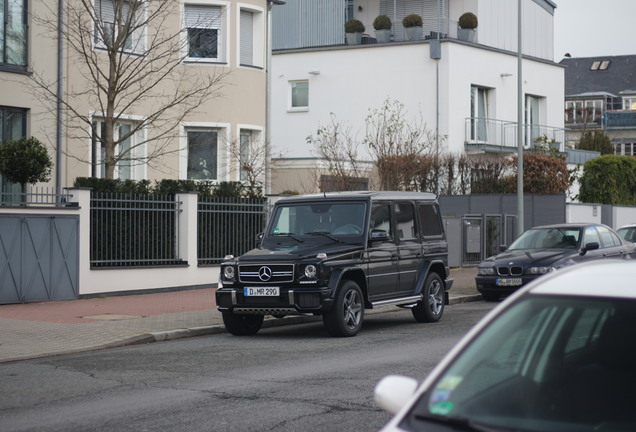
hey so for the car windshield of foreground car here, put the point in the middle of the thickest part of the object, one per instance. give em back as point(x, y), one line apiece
point(548, 363)
point(320, 220)
point(548, 238)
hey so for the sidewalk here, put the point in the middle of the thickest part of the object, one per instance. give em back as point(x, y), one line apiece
point(62, 327)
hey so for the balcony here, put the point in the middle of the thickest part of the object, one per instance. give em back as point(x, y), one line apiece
point(486, 135)
point(619, 119)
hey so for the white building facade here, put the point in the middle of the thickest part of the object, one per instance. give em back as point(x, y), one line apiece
point(465, 92)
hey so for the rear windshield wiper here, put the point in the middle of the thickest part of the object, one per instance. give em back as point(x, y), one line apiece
point(462, 423)
point(290, 235)
point(324, 234)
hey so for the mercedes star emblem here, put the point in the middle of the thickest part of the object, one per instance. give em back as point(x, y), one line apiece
point(264, 273)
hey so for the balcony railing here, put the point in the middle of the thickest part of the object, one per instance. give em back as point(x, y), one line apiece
point(620, 119)
point(491, 135)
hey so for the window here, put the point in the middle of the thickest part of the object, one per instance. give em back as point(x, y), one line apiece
point(583, 112)
point(202, 154)
point(129, 151)
point(247, 37)
point(13, 33)
point(430, 220)
point(12, 126)
point(405, 217)
point(629, 103)
point(532, 119)
point(478, 114)
point(299, 95)
point(244, 154)
point(204, 25)
point(381, 218)
point(114, 17)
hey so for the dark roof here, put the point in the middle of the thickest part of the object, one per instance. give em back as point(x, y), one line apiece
point(620, 75)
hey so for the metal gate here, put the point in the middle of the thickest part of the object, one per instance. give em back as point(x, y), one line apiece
point(483, 236)
point(39, 258)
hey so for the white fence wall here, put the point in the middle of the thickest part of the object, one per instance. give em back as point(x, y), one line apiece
point(583, 213)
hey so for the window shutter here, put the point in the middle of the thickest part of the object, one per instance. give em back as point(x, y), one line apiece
point(247, 37)
point(203, 17)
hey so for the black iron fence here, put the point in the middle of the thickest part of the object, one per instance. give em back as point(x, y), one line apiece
point(228, 226)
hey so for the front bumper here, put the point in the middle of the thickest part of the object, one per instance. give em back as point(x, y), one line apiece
point(291, 301)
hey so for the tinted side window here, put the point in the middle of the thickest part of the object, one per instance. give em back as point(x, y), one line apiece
point(405, 217)
point(381, 218)
point(430, 220)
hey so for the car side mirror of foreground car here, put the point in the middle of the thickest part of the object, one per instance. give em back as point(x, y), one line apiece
point(589, 247)
point(393, 392)
point(259, 239)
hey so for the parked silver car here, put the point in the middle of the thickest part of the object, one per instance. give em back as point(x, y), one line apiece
point(557, 355)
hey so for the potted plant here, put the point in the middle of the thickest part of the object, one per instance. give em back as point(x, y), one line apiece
point(467, 25)
point(353, 30)
point(382, 25)
point(413, 25)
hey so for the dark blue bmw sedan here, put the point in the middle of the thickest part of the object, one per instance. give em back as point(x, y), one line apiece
point(545, 249)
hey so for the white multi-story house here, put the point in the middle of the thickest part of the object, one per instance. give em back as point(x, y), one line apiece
point(211, 38)
point(465, 91)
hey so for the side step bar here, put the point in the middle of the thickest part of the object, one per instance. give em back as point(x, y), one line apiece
point(403, 301)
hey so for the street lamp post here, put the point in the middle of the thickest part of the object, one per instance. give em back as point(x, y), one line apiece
point(520, 210)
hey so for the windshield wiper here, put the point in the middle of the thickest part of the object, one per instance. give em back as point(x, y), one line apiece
point(290, 235)
point(324, 234)
point(463, 423)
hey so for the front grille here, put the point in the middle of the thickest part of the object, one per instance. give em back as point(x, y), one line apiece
point(510, 271)
point(268, 273)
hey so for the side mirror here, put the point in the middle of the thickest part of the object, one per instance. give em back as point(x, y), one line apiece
point(589, 247)
point(380, 235)
point(393, 392)
point(502, 248)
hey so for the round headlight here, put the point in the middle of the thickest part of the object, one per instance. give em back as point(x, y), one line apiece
point(310, 271)
point(228, 272)
point(486, 271)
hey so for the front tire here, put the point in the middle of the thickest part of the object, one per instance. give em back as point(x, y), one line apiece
point(431, 308)
point(345, 317)
point(242, 325)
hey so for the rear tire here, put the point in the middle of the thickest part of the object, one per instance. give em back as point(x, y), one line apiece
point(242, 325)
point(345, 317)
point(431, 308)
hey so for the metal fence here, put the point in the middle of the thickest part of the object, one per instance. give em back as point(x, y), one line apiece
point(228, 226)
point(37, 197)
point(134, 230)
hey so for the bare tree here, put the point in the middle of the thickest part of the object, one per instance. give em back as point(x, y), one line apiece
point(336, 146)
point(248, 154)
point(397, 144)
point(130, 55)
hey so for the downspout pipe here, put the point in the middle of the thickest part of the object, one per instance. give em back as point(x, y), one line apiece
point(60, 95)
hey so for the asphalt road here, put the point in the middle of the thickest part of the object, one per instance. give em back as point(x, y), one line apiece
point(292, 378)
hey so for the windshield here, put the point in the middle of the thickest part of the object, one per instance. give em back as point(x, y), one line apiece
point(546, 364)
point(324, 220)
point(628, 234)
point(548, 238)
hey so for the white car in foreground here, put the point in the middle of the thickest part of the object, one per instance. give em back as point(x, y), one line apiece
point(558, 355)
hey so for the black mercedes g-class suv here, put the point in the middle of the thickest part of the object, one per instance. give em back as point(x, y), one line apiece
point(337, 254)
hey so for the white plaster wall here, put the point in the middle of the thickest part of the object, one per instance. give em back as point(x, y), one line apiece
point(583, 213)
point(353, 80)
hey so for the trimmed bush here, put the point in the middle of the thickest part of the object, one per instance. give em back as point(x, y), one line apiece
point(354, 26)
point(468, 20)
point(382, 22)
point(412, 20)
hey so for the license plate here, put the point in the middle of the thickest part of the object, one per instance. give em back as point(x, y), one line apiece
point(261, 291)
point(509, 282)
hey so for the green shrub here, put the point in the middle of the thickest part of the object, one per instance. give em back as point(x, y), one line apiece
point(412, 20)
point(468, 20)
point(25, 160)
point(354, 26)
point(609, 179)
point(382, 22)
